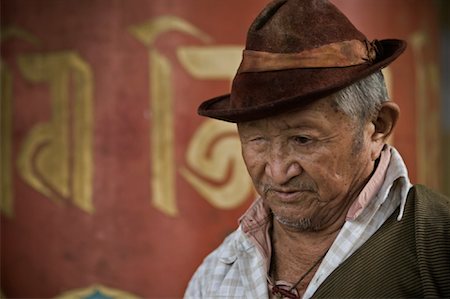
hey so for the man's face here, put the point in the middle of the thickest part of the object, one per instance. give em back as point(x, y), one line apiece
point(308, 164)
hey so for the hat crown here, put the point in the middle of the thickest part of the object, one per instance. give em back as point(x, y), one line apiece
point(298, 51)
point(290, 26)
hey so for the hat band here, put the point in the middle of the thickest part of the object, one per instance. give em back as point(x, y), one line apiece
point(340, 54)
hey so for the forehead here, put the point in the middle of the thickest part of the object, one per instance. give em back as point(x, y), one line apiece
point(322, 113)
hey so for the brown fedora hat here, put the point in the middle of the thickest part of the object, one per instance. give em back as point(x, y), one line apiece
point(298, 51)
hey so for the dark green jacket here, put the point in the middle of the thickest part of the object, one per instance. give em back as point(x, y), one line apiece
point(403, 259)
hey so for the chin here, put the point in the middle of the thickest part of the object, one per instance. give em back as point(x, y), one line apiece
point(299, 224)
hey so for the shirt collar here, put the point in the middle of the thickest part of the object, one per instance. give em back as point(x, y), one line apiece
point(371, 188)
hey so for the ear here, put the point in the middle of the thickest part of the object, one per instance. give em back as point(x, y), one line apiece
point(385, 121)
point(383, 125)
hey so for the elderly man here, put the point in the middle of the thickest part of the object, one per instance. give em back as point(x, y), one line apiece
point(337, 216)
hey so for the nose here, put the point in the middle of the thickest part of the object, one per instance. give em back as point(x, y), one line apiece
point(282, 167)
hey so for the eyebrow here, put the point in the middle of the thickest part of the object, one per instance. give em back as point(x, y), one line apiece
point(283, 126)
point(309, 122)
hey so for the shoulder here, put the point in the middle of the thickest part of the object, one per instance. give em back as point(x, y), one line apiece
point(218, 265)
point(430, 204)
point(432, 238)
point(431, 214)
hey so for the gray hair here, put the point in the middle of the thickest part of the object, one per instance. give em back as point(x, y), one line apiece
point(362, 100)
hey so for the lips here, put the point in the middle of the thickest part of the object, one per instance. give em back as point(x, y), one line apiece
point(287, 196)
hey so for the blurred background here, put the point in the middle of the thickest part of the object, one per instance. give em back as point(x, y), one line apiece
point(111, 185)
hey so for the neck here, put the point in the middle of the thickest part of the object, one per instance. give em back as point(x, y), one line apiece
point(304, 242)
point(296, 256)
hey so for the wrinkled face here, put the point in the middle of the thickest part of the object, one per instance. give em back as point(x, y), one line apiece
point(309, 164)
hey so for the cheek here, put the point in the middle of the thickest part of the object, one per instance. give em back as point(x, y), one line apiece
point(331, 172)
point(253, 162)
point(256, 172)
point(349, 169)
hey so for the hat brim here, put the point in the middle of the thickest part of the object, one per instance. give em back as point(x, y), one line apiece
point(286, 89)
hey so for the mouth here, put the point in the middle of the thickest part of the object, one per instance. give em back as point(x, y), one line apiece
point(287, 196)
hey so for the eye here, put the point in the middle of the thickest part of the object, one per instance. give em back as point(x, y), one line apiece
point(258, 140)
point(253, 140)
point(302, 139)
point(254, 144)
